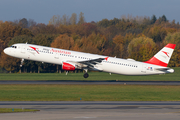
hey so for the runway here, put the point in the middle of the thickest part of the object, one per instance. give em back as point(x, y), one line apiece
point(81, 110)
point(92, 110)
point(89, 82)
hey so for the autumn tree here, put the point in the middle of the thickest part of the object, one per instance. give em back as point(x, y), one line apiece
point(174, 38)
point(2, 45)
point(94, 43)
point(21, 39)
point(162, 19)
point(153, 19)
point(31, 23)
point(9, 63)
point(89, 28)
point(119, 41)
point(73, 19)
point(103, 23)
point(43, 29)
point(110, 32)
point(171, 30)
point(83, 30)
point(157, 33)
point(23, 23)
point(65, 20)
point(63, 42)
point(134, 31)
point(8, 31)
point(44, 39)
point(77, 42)
point(142, 48)
point(123, 25)
point(55, 20)
point(81, 18)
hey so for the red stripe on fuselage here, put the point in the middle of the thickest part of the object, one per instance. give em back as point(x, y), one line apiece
point(155, 61)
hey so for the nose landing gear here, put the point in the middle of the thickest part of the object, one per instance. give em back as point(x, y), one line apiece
point(22, 60)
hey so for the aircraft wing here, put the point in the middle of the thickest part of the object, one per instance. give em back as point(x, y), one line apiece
point(92, 62)
point(89, 64)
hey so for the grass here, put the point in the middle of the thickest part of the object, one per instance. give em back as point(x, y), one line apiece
point(93, 76)
point(89, 93)
point(10, 110)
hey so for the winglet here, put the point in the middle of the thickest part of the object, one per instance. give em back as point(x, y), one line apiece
point(106, 58)
point(163, 56)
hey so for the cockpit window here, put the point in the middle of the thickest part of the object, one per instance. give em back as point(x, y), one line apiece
point(14, 46)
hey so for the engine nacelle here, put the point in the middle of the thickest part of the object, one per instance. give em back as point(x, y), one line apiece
point(68, 66)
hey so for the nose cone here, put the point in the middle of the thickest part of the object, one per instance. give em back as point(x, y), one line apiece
point(5, 51)
point(9, 51)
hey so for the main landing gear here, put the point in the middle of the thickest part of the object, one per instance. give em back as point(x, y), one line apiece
point(86, 75)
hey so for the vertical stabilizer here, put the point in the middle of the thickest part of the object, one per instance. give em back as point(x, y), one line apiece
point(163, 56)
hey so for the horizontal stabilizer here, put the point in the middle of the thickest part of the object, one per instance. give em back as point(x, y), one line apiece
point(167, 70)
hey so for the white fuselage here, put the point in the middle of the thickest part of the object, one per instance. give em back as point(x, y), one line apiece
point(58, 56)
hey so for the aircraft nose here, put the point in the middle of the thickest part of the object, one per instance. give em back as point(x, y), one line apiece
point(6, 51)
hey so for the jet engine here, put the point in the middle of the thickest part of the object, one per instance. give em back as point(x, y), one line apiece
point(68, 66)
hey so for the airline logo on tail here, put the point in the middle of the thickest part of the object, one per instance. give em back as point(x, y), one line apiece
point(166, 53)
point(160, 58)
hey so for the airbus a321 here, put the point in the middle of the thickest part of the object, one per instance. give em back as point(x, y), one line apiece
point(71, 60)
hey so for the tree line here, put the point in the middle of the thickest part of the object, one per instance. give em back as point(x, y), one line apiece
point(137, 38)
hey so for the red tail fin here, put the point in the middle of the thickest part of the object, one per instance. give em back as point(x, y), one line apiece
point(163, 56)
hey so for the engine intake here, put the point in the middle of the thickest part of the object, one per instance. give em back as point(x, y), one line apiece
point(68, 66)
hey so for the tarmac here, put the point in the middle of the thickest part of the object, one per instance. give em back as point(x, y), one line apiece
point(98, 110)
point(80, 110)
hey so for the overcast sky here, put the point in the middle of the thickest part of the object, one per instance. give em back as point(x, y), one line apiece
point(42, 11)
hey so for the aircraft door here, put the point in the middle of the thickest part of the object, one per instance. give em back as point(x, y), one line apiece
point(23, 49)
point(143, 69)
point(56, 56)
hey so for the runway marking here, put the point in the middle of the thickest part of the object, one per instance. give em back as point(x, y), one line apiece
point(84, 117)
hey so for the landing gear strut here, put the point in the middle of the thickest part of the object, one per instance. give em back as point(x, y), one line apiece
point(86, 75)
point(22, 60)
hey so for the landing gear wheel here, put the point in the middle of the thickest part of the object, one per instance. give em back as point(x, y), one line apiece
point(86, 75)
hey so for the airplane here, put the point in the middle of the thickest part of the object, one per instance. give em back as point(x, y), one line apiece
point(71, 60)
